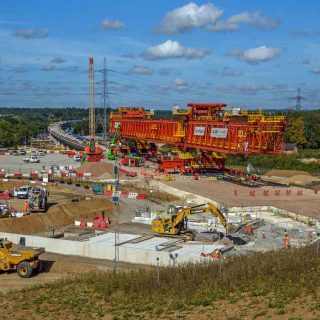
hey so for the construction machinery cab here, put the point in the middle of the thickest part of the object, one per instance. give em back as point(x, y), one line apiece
point(176, 220)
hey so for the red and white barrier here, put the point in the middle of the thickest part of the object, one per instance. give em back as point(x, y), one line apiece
point(126, 194)
point(98, 222)
point(5, 195)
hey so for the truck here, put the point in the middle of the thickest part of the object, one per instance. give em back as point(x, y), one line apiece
point(17, 257)
point(22, 192)
point(38, 199)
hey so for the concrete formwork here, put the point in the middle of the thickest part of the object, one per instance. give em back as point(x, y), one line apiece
point(102, 247)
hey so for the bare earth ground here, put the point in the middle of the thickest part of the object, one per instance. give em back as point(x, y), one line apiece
point(224, 192)
point(57, 266)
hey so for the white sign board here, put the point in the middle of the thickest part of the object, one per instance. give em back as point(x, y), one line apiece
point(117, 125)
point(199, 131)
point(219, 133)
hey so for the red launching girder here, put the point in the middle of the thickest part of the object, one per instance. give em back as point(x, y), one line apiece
point(206, 127)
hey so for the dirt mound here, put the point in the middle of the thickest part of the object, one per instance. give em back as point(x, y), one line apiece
point(98, 170)
point(286, 173)
point(302, 179)
point(58, 215)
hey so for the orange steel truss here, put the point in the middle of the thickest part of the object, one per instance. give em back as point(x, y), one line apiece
point(205, 126)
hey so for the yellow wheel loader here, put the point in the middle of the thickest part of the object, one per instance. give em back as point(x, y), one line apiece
point(21, 258)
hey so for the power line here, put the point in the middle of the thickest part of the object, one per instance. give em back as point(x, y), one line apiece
point(49, 68)
point(157, 84)
point(104, 100)
point(298, 99)
point(42, 81)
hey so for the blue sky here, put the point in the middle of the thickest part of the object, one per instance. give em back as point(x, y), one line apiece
point(160, 53)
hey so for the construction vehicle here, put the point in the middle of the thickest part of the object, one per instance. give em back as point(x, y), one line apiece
point(176, 222)
point(110, 153)
point(31, 159)
point(22, 192)
point(38, 199)
point(21, 258)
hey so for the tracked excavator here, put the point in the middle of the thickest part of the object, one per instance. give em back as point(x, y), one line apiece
point(176, 223)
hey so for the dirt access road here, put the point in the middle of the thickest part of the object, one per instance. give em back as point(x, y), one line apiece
point(57, 266)
point(307, 204)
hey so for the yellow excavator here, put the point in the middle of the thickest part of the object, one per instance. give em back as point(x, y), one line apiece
point(176, 222)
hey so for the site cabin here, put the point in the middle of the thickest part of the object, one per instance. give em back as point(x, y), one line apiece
point(130, 162)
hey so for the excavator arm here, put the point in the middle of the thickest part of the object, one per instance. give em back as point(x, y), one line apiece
point(177, 222)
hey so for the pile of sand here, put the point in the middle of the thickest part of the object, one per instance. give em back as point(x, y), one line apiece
point(98, 170)
point(310, 160)
point(58, 215)
point(302, 179)
point(286, 173)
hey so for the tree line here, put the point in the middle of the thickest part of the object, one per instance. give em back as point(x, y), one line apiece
point(303, 128)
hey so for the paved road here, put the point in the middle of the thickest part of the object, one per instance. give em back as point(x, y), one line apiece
point(14, 164)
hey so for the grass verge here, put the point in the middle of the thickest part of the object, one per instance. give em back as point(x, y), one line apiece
point(277, 277)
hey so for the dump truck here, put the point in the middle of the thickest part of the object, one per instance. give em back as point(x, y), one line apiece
point(175, 223)
point(38, 199)
point(17, 257)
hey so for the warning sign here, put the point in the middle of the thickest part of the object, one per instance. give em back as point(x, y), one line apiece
point(199, 131)
point(219, 133)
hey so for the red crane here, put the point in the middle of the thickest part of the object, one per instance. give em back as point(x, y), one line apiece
point(93, 152)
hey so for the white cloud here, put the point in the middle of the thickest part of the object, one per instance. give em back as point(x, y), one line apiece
point(48, 67)
point(20, 69)
point(141, 70)
point(31, 33)
point(207, 16)
point(190, 16)
point(299, 33)
point(127, 56)
point(232, 73)
point(173, 49)
point(315, 70)
point(181, 84)
point(256, 55)
point(234, 22)
point(58, 60)
point(112, 25)
point(253, 89)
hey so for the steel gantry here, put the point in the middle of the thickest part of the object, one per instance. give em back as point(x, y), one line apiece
point(204, 126)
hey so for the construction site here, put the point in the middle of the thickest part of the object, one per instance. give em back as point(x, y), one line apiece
point(158, 194)
point(132, 201)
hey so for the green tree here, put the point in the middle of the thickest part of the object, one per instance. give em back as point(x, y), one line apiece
point(295, 132)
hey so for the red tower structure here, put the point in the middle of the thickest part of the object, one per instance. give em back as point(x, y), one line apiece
point(93, 152)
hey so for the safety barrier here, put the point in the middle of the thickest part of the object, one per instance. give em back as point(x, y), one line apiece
point(4, 195)
point(128, 173)
point(126, 194)
point(98, 222)
point(277, 192)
